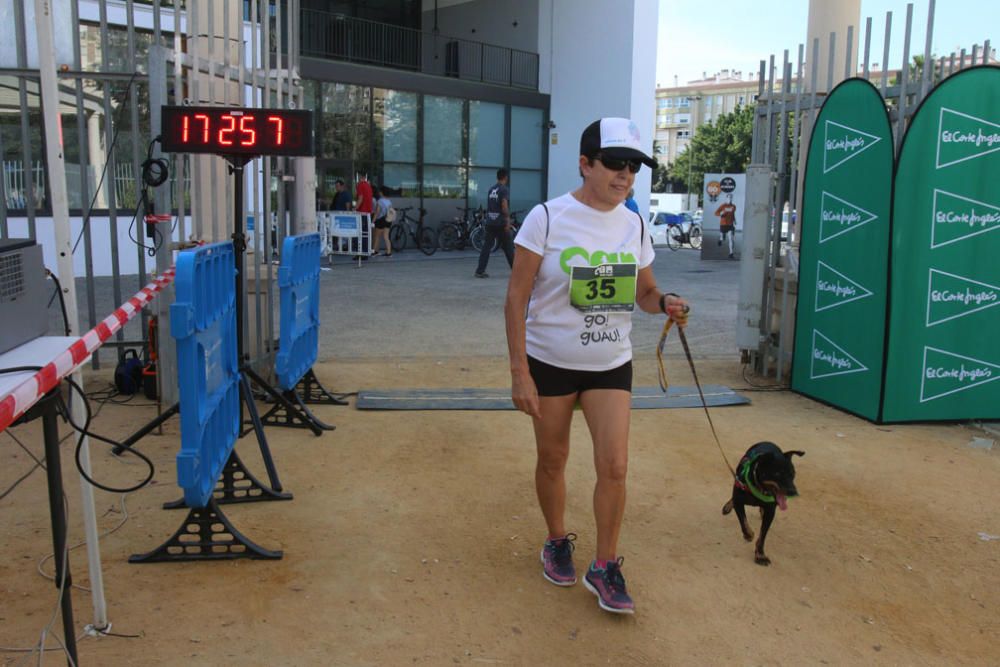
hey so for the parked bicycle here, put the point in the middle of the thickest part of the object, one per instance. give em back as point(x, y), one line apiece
point(425, 238)
point(457, 233)
point(676, 236)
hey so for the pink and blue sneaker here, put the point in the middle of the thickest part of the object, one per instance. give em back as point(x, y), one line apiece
point(557, 560)
point(608, 585)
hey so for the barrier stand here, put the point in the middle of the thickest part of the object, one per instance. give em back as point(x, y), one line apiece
point(298, 280)
point(213, 389)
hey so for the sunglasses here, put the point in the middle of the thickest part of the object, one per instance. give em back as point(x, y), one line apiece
point(617, 164)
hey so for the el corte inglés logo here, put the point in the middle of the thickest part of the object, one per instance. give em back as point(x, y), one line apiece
point(834, 289)
point(963, 137)
point(955, 218)
point(829, 359)
point(839, 216)
point(842, 143)
point(945, 373)
point(951, 296)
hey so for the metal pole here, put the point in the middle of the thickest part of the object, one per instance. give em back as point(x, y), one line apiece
point(56, 162)
point(57, 513)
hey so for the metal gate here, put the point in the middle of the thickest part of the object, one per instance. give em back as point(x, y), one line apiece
point(786, 109)
point(117, 63)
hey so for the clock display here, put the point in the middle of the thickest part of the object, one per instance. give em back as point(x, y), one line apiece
point(236, 131)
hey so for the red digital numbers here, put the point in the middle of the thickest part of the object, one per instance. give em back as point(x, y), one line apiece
point(279, 129)
point(224, 131)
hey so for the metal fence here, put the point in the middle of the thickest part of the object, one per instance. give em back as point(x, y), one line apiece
point(787, 106)
point(340, 37)
point(117, 62)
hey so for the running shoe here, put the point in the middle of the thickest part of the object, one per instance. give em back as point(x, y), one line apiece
point(557, 560)
point(609, 587)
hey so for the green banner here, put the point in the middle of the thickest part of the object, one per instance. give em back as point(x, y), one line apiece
point(840, 318)
point(943, 354)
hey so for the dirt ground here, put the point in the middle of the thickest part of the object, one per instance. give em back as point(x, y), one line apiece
point(413, 538)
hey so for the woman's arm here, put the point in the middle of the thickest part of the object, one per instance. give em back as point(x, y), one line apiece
point(522, 279)
point(650, 299)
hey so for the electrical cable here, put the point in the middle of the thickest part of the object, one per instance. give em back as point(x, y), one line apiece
point(62, 300)
point(114, 139)
point(84, 431)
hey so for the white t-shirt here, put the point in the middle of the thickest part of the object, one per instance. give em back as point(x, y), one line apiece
point(578, 235)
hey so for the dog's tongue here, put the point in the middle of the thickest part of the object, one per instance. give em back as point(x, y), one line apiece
point(782, 501)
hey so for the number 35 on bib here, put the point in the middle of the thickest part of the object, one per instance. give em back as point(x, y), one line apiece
point(607, 288)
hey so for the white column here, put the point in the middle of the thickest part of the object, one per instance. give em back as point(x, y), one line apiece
point(825, 17)
point(587, 81)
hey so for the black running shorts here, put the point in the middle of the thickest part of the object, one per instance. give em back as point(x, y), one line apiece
point(554, 381)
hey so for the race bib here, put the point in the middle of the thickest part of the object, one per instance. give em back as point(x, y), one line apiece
point(603, 289)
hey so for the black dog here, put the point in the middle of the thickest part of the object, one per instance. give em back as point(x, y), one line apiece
point(765, 477)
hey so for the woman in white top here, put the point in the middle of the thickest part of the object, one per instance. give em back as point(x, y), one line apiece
point(582, 264)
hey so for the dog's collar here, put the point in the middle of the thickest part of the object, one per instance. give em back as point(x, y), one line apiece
point(743, 480)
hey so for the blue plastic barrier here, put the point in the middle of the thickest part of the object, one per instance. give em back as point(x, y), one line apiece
point(298, 281)
point(203, 322)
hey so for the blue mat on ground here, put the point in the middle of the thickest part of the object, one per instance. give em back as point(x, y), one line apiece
point(643, 398)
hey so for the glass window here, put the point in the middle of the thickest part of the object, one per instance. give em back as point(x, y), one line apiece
point(395, 120)
point(683, 102)
point(526, 137)
point(486, 133)
point(670, 103)
point(662, 102)
point(400, 180)
point(345, 129)
point(112, 56)
point(684, 118)
point(442, 130)
point(661, 121)
point(525, 191)
point(444, 183)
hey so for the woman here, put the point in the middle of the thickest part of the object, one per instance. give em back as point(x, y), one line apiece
point(382, 224)
point(582, 263)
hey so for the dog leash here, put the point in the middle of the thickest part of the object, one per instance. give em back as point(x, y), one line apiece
point(664, 384)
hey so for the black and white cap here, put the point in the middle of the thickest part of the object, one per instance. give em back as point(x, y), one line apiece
point(614, 137)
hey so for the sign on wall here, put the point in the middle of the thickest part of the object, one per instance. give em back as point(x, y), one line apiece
point(722, 216)
point(843, 276)
point(943, 359)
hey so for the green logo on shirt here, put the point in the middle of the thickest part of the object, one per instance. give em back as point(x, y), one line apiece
point(596, 259)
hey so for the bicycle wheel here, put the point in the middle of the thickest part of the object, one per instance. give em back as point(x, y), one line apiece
point(694, 236)
point(427, 241)
point(397, 237)
point(477, 236)
point(674, 234)
point(448, 237)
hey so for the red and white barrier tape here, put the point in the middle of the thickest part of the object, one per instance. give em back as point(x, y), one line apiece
point(31, 390)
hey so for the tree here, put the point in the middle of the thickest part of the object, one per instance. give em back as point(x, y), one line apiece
point(721, 146)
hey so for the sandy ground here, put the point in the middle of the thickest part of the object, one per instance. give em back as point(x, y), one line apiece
point(413, 539)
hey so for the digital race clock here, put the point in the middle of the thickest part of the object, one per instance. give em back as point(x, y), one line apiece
point(236, 131)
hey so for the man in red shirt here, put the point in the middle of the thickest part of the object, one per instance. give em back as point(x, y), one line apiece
point(365, 205)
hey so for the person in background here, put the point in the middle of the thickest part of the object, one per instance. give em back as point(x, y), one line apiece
point(581, 266)
point(630, 202)
point(341, 197)
point(497, 225)
point(382, 224)
point(365, 205)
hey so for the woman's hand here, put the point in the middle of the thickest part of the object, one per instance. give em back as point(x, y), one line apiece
point(676, 308)
point(525, 394)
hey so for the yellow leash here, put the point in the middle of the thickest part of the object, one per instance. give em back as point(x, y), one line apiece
point(664, 384)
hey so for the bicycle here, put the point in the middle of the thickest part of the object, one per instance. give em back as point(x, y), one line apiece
point(425, 238)
point(479, 233)
point(457, 233)
point(676, 236)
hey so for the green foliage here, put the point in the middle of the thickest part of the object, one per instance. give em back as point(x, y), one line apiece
point(721, 146)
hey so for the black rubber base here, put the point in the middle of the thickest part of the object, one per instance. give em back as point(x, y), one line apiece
point(206, 534)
